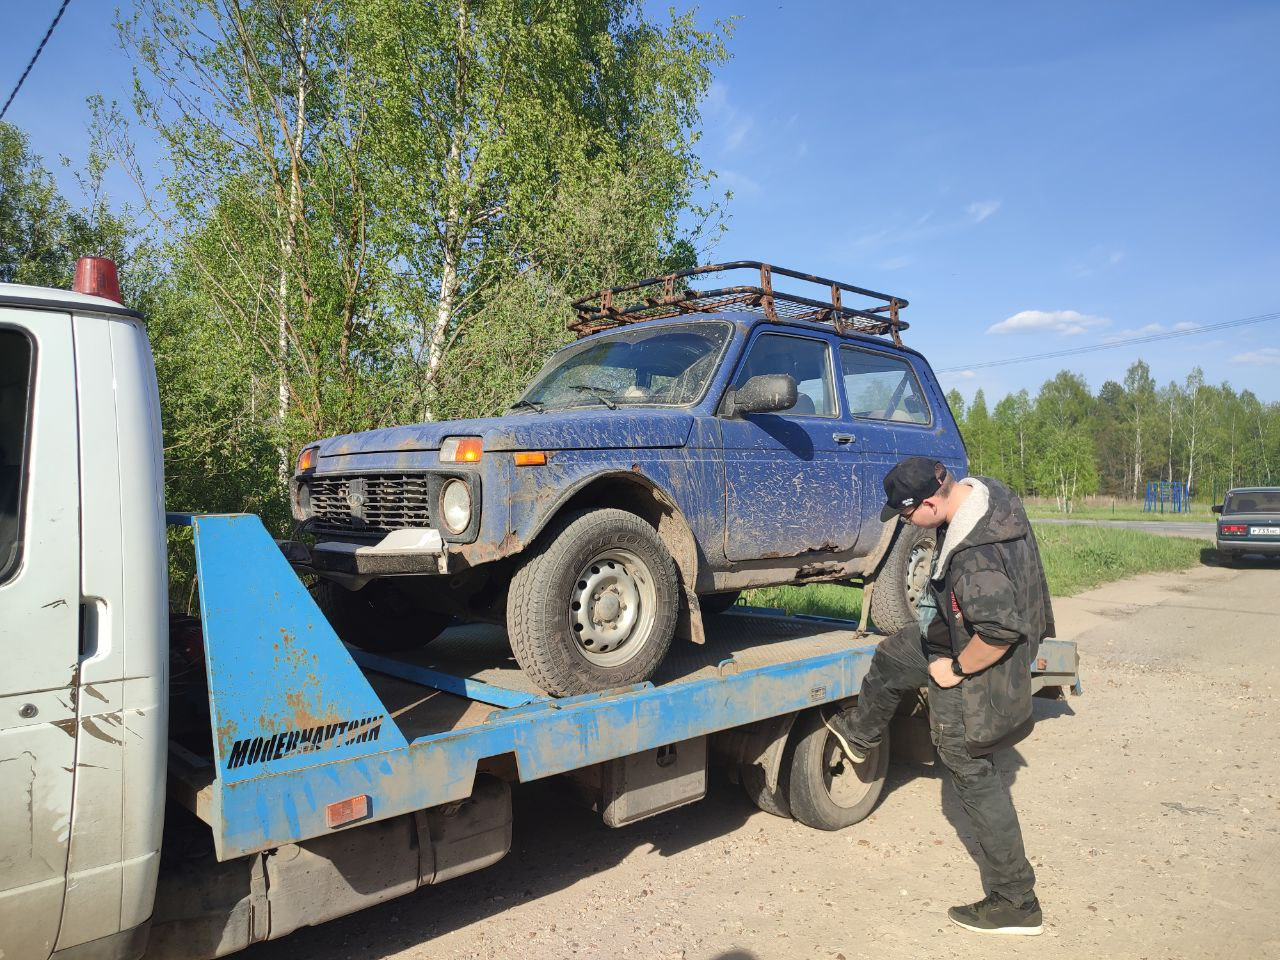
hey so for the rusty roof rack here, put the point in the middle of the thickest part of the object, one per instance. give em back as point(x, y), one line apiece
point(635, 303)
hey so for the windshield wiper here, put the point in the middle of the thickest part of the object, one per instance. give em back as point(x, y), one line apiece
point(600, 393)
point(531, 404)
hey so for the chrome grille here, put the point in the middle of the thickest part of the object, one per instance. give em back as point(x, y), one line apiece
point(374, 503)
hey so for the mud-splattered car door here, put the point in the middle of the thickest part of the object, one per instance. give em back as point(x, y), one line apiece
point(39, 623)
point(787, 483)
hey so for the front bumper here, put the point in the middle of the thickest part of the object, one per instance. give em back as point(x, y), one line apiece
point(412, 550)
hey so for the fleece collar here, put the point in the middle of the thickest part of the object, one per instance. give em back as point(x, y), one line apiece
point(963, 523)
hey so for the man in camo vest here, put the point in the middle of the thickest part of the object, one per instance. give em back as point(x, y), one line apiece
point(981, 623)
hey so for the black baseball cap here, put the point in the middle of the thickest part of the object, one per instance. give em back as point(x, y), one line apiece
point(910, 481)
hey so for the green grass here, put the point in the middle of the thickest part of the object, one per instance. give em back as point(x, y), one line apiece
point(1120, 510)
point(1075, 559)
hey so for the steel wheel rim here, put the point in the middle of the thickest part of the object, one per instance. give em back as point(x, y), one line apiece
point(919, 565)
point(612, 606)
point(846, 783)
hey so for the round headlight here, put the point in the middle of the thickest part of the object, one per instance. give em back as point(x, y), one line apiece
point(455, 506)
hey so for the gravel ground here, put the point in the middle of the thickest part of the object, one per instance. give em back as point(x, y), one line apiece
point(1150, 806)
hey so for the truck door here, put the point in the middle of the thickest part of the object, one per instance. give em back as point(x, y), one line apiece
point(39, 623)
point(788, 488)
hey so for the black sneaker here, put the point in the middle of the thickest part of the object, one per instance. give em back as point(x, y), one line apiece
point(995, 914)
point(838, 722)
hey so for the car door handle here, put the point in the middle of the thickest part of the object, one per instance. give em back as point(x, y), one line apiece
point(843, 437)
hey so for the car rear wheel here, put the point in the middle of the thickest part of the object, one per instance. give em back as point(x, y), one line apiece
point(594, 604)
point(903, 578)
point(379, 618)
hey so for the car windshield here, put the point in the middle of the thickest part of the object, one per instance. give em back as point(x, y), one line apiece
point(1253, 501)
point(667, 366)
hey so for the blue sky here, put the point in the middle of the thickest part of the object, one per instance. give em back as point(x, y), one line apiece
point(1090, 169)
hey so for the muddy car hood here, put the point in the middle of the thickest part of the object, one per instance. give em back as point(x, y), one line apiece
point(559, 430)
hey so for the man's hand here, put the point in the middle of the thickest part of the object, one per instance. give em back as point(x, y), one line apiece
point(942, 674)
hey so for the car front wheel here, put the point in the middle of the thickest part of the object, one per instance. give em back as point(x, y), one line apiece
point(594, 604)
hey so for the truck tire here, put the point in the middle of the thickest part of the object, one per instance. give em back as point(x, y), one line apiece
point(713, 603)
point(825, 790)
point(770, 800)
point(903, 578)
point(594, 604)
point(379, 618)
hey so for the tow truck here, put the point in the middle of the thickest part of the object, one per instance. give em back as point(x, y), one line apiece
point(176, 787)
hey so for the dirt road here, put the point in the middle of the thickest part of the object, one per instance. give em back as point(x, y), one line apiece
point(1151, 808)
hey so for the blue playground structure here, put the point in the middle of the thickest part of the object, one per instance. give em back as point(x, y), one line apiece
point(1164, 496)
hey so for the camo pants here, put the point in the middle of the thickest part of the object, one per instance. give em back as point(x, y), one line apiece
point(899, 668)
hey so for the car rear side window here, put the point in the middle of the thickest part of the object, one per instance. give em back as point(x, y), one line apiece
point(15, 409)
point(806, 361)
point(881, 387)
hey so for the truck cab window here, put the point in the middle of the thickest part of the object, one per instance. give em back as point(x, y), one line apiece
point(881, 387)
point(15, 393)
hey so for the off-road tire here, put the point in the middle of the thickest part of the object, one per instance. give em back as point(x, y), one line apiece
point(538, 614)
point(814, 794)
point(894, 593)
point(379, 618)
point(713, 603)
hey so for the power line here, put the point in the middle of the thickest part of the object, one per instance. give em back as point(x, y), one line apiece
point(1090, 348)
point(34, 57)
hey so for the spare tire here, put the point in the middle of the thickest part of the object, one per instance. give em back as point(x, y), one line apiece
point(903, 578)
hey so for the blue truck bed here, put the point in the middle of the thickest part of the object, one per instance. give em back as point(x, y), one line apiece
point(303, 726)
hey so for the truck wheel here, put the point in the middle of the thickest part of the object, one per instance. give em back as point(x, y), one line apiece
point(594, 604)
point(714, 603)
point(825, 790)
point(903, 578)
point(770, 800)
point(379, 618)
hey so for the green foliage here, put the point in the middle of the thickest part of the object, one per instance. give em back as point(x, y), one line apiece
point(378, 212)
point(1078, 558)
point(1067, 443)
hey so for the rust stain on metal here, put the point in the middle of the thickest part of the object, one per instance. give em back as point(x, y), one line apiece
point(88, 688)
point(91, 728)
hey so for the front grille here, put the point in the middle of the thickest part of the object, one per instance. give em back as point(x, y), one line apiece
point(370, 503)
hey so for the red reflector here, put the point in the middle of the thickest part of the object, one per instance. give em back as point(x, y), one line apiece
point(97, 277)
point(347, 811)
point(1042, 664)
point(1234, 528)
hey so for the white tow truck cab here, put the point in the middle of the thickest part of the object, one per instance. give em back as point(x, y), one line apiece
point(83, 629)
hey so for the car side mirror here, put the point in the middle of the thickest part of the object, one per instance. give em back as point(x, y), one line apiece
point(1217, 508)
point(767, 393)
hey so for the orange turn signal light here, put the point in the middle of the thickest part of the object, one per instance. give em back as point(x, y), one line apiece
point(347, 811)
point(531, 458)
point(462, 450)
point(307, 460)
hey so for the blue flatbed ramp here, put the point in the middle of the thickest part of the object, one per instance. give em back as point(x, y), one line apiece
point(302, 723)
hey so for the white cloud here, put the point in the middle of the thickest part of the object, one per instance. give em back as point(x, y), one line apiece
point(1065, 322)
point(1148, 330)
point(959, 375)
point(1266, 355)
point(979, 210)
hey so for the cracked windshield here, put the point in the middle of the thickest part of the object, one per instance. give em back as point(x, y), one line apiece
point(667, 366)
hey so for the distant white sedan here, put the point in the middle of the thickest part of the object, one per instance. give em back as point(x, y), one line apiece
point(1249, 522)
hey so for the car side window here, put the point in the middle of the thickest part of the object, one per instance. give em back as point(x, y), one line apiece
point(15, 399)
point(808, 363)
point(880, 387)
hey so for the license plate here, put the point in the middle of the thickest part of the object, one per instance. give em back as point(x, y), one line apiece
point(1264, 531)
